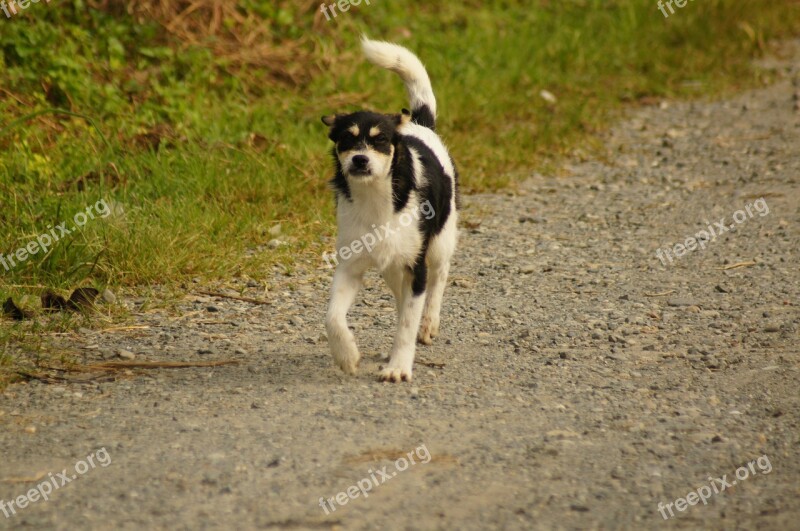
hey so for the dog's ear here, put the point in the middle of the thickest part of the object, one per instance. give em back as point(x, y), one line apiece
point(403, 118)
point(330, 119)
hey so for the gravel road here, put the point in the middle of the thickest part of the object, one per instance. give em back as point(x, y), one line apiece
point(579, 380)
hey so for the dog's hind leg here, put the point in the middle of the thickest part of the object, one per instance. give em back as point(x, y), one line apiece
point(346, 283)
point(439, 254)
point(411, 286)
point(429, 327)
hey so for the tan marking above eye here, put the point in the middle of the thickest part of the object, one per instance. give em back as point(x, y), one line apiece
point(354, 130)
point(375, 131)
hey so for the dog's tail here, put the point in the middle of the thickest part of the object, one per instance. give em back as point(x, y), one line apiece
point(411, 70)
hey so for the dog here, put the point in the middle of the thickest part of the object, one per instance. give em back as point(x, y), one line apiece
point(389, 167)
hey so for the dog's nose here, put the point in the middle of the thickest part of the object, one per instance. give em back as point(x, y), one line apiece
point(360, 161)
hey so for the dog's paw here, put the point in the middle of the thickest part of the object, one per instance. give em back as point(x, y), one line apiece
point(394, 375)
point(425, 338)
point(428, 329)
point(347, 362)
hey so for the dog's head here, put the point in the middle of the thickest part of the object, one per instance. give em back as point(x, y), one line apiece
point(365, 142)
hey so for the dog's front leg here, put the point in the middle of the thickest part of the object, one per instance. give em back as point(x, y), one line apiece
point(346, 283)
point(409, 306)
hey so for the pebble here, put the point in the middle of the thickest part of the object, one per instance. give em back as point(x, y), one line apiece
point(532, 219)
point(109, 297)
point(678, 302)
point(126, 354)
point(464, 283)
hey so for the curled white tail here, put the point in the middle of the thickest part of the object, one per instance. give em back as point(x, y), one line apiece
point(408, 66)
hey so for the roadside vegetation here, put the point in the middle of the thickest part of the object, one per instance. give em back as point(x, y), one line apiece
point(198, 122)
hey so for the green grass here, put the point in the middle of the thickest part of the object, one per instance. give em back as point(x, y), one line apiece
point(243, 148)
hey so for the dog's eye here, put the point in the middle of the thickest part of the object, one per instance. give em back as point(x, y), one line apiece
point(380, 139)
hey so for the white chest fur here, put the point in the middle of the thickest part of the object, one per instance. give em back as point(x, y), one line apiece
point(373, 235)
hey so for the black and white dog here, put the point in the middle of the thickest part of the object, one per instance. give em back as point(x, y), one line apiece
point(389, 167)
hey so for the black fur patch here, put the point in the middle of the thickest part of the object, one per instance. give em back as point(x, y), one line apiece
point(420, 272)
point(424, 117)
point(339, 181)
point(365, 121)
point(438, 188)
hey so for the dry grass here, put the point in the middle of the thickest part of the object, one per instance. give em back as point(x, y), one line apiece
point(238, 38)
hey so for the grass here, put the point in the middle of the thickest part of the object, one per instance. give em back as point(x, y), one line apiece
point(200, 148)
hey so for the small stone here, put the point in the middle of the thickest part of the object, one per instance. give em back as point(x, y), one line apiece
point(772, 328)
point(527, 269)
point(463, 283)
point(275, 230)
point(274, 244)
point(204, 351)
point(212, 309)
point(109, 297)
point(677, 302)
point(532, 219)
point(548, 96)
point(126, 354)
point(557, 435)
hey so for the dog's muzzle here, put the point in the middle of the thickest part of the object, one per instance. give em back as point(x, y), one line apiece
point(359, 165)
